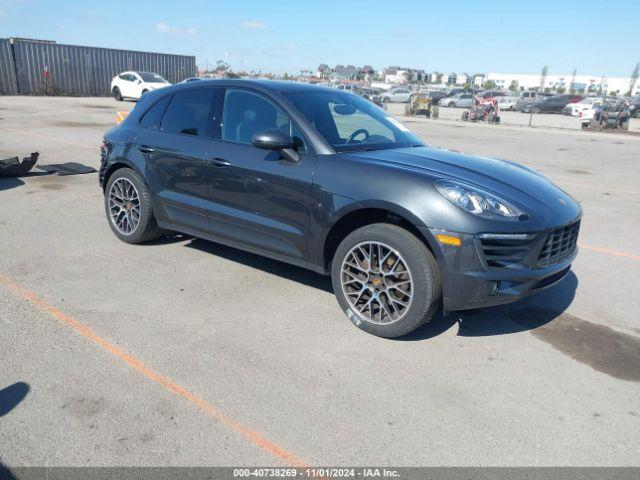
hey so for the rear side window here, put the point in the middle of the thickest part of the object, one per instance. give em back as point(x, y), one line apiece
point(153, 117)
point(189, 112)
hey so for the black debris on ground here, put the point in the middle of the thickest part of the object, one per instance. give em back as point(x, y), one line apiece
point(70, 168)
point(13, 167)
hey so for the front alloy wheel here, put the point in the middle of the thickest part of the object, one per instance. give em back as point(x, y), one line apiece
point(377, 283)
point(386, 280)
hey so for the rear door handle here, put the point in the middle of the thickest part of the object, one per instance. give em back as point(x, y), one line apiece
point(146, 149)
point(220, 162)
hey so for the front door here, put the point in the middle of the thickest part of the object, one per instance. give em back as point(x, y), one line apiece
point(258, 198)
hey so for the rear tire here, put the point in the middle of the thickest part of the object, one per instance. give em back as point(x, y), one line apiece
point(116, 94)
point(421, 294)
point(146, 228)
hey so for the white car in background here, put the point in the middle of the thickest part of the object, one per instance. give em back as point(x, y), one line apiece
point(508, 102)
point(587, 114)
point(133, 85)
point(582, 107)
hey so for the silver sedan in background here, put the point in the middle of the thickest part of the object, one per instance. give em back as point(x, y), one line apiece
point(460, 100)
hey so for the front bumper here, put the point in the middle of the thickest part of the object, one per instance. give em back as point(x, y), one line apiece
point(471, 278)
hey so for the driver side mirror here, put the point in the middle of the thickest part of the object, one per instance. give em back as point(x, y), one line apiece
point(276, 139)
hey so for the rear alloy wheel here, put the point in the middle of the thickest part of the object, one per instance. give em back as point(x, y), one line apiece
point(385, 280)
point(116, 94)
point(127, 202)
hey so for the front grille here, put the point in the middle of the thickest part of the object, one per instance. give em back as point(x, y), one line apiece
point(559, 245)
point(503, 250)
point(529, 250)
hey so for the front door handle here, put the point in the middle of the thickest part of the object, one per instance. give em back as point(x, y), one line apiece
point(146, 149)
point(220, 162)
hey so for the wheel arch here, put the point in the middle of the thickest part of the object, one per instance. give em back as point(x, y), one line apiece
point(365, 215)
point(117, 165)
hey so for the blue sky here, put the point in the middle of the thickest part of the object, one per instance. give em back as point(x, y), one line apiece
point(284, 35)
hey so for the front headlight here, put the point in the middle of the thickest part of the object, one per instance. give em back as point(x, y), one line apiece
point(477, 201)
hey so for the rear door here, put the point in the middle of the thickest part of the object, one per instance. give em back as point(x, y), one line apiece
point(176, 153)
point(259, 199)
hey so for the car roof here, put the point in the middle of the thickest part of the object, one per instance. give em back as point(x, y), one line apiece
point(279, 86)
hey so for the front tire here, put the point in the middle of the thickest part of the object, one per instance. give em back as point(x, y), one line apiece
point(128, 206)
point(117, 94)
point(386, 280)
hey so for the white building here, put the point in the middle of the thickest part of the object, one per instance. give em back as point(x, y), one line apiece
point(583, 83)
point(403, 75)
point(462, 79)
point(479, 79)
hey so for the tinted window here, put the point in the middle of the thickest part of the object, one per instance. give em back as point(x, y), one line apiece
point(337, 116)
point(152, 118)
point(151, 77)
point(188, 112)
point(246, 113)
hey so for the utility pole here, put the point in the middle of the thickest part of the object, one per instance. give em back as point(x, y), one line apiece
point(543, 78)
point(634, 78)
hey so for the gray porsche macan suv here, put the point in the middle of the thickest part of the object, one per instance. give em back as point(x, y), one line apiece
point(328, 181)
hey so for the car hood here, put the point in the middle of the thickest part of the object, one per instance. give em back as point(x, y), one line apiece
point(527, 189)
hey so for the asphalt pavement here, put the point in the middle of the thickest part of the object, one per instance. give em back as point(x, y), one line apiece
point(184, 352)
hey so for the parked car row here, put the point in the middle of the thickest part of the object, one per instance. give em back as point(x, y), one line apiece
point(550, 104)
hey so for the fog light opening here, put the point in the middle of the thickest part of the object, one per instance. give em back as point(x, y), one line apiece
point(492, 288)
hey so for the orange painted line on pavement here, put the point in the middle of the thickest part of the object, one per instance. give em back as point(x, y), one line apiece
point(606, 251)
point(205, 407)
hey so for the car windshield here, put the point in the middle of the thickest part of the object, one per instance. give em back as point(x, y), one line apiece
point(151, 77)
point(350, 123)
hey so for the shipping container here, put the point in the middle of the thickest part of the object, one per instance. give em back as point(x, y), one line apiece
point(8, 84)
point(49, 68)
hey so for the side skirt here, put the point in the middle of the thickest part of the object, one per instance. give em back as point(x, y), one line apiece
point(246, 248)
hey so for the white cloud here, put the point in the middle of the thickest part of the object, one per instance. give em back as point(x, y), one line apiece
point(164, 28)
point(253, 25)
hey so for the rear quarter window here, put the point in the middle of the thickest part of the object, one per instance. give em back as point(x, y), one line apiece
point(153, 117)
point(188, 112)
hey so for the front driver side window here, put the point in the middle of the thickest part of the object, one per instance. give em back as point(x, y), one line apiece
point(246, 113)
